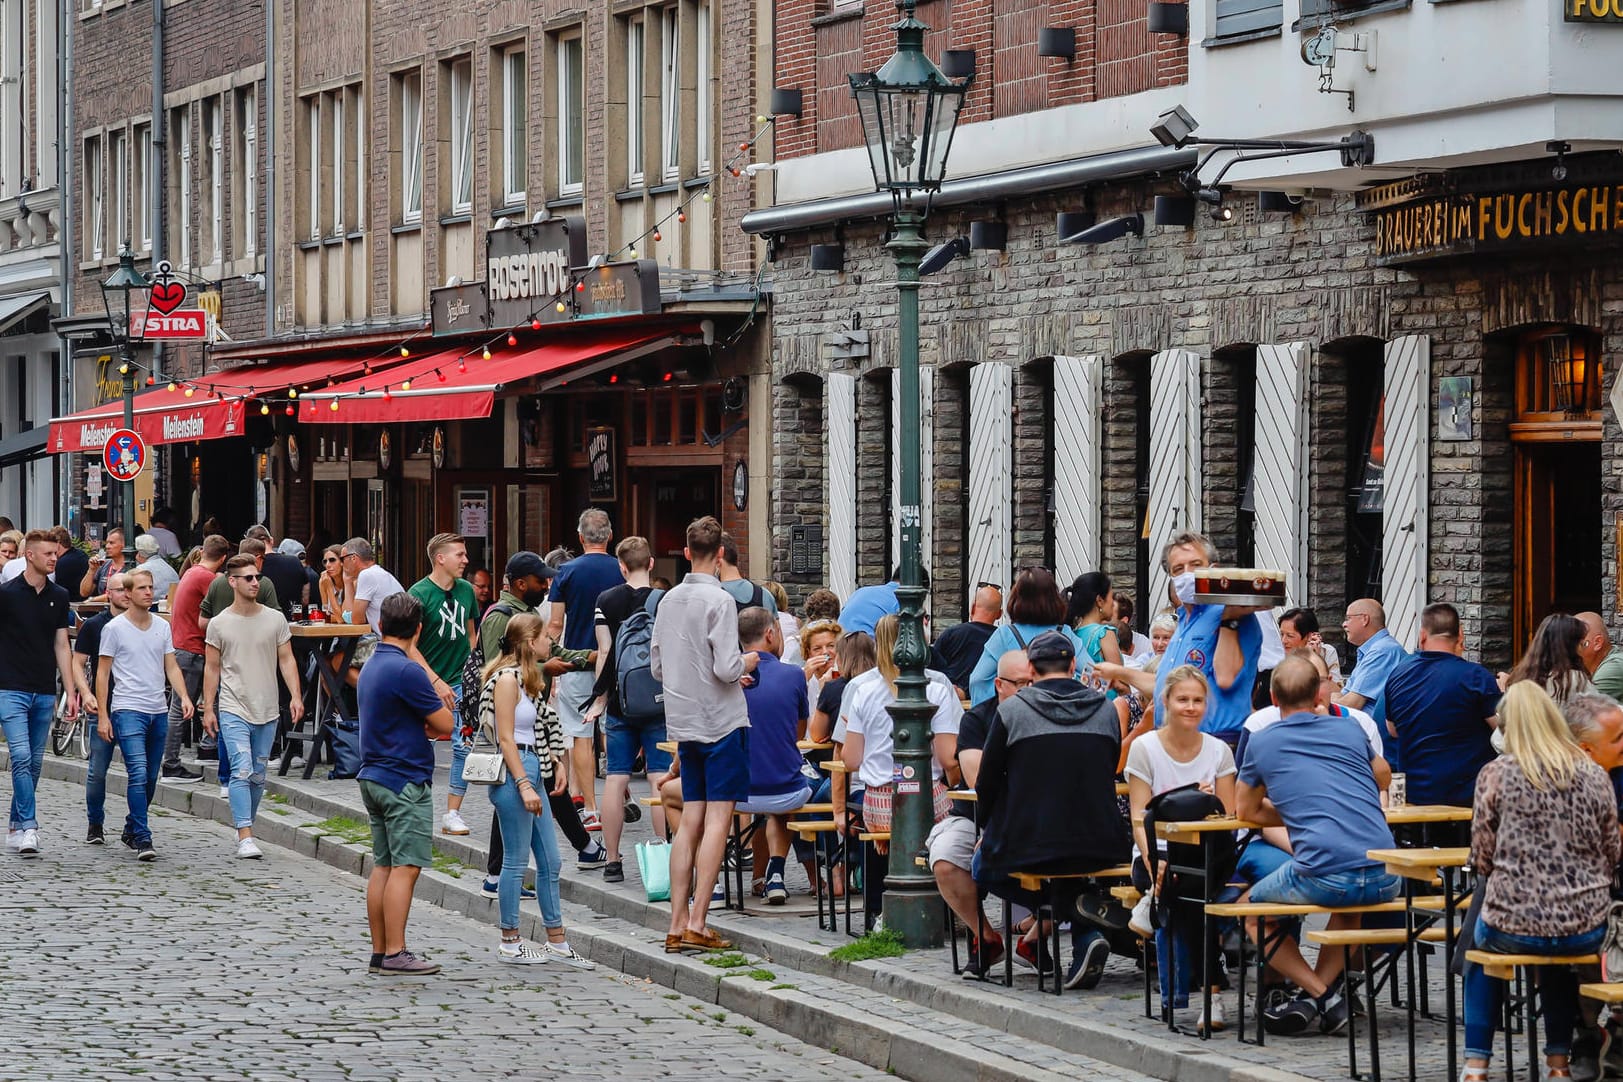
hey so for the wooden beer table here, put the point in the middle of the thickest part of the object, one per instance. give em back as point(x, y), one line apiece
point(314, 730)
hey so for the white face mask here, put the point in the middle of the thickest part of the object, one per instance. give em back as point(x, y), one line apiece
point(1184, 587)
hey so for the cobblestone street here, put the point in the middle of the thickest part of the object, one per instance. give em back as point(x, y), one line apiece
point(203, 966)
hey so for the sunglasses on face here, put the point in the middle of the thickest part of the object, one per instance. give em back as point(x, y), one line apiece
point(989, 585)
point(332, 560)
point(247, 578)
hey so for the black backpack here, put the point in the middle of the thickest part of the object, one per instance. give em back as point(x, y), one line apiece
point(1182, 805)
point(642, 698)
point(473, 671)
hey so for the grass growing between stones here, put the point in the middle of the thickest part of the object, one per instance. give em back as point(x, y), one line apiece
point(346, 829)
point(886, 943)
point(726, 960)
point(447, 865)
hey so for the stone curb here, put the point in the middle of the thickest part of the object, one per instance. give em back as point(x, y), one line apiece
point(905, 1050)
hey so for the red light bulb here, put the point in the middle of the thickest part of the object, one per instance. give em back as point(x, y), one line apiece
point(681, 215)
point(657, 235)
point(461, 366)
point(439, 375)
point(512, 340)
point(580, 287)
point(535, 324)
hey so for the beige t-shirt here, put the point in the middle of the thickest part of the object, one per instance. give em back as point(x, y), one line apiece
point(248, 646)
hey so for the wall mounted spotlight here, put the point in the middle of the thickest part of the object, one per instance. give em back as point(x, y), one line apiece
point(1168, 18)
point(942, 254)
point(1107, 231)
point(1175, 210)
point(958, 63)
point(1068, 223)
point(1560, 149)
point(989, 236)
point(787, 101)
point(1057, 41)
point(828, 257)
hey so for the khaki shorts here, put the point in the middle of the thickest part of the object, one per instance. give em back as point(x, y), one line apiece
point(402, 824)
point(952, 840)
point(364, 649)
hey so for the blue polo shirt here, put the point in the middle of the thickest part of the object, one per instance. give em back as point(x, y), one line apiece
point(1317, 771)
point(1194, 642)
point(396, 698)
point(777, 705)
point(866, 605)
point(577, 585)
point(1440, 705)
point(1378, 658)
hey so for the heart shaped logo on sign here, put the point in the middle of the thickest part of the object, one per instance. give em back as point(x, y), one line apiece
point(167, 296)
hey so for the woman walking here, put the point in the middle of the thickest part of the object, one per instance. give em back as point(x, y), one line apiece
point(531, 740)
point(1544, 843)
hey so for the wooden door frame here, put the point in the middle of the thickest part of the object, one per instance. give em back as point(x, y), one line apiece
point(1526, 441)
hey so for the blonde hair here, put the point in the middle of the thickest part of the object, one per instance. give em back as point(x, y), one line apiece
point(14, 536)
point(519, 649)
point(1537, 737)
point(814, 628)
point(1182, 673)
point(884, 640)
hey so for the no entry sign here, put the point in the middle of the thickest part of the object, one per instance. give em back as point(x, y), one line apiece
point(124, 454)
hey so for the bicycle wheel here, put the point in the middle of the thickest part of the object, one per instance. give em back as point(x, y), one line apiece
point(67, 737)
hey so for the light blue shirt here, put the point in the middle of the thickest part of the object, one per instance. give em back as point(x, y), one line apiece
point(1378, 659)
point(867, 606)
point(1015, 637)
point(1194, 642)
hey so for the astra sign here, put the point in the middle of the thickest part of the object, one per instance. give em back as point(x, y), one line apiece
point(181, 324)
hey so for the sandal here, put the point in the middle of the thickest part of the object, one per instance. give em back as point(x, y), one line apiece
point(1476, 1074)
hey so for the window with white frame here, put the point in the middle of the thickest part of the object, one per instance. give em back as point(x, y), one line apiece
point(670, 94)
point(95, 199)
point(118, 163)
point(571, 114)
point(409, 100)
point(515, 117)
point(141, 195)
point(704, 96)
point(313, 165)
point(214, 164)
point(336, 117)
point(356, 156)
point(245, 171)
point(181, 140)
point(462, 135)
point(636, 130)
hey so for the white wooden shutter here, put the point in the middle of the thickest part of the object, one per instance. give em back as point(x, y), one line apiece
point(1175, 473)
point(1280, 464)
point(1076, 435)
point(926, 465)
point(990, 537)
point(840, 436)
point(1406, 481)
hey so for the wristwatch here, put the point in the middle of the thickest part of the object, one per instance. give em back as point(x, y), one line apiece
point(1230, 625)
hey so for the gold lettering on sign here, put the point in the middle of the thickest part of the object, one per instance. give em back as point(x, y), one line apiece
point(1455, 224)
point(611, 290)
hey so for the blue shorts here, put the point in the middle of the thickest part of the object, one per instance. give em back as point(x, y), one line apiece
point(1287, 885)
point(718, 771)
point(1258, 861)
point(622, 737)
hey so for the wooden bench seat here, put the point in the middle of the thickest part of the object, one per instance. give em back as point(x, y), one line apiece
point(875, 836)
point(1126, 895)
point(1504, 966)
point(1286, 909)
point(1035, 880)
point(1606, 993)
point(1370, 937)
point(813, 826)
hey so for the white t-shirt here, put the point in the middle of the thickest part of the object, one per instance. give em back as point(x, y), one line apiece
point(1137, 654)
point(372, 585)
point(1149, 762)
point(248, 654)
point(138, 663)
point(1270, 714)
point(863, 711)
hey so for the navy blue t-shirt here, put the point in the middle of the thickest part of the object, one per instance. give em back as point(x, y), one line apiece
point(1440, 705)
point(777, 705)
point(396, 697)
point(577, 585)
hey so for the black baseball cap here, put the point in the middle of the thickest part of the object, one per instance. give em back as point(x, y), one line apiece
point(1051, 646)
point(528, 563)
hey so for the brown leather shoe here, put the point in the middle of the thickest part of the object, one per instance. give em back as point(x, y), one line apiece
point(673, 944)
point(705, 940)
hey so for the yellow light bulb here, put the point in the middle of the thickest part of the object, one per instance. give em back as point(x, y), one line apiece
point(560, 307)
point(404, 352)
point(334, 406)
point(486, 354)
point(172, 387)
point(123, 369)
point(293, 392)
point(263, 409)
point(406, 386)
point(189, 392)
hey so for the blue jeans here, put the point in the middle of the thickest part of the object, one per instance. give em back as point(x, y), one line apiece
point(101, 757)
point(1557, 987)
point(523, 834)
point(140, 739)
point(1289, 885)
point(250, 748)
point(26, 718)
point(459, 750)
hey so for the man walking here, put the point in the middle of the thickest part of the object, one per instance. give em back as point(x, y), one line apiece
point(246, 645)
point(695, 654)
point(33, 651)
point(449, 627)
point(86, 656)
point(958, 648)
point(570, 623)
point(185, 625)
point(623, 731)
point(137, 654)
point(399, 709)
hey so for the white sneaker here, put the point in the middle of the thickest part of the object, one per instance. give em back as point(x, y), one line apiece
point(1139, 922)
point(13, 838)
point(247, 849)
point(225, 792)
point(28, 843)
point(1217, 1021)
point(521, 954)
point(453, 824)
point(566, 954)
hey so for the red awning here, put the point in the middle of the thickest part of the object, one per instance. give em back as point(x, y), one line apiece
point(453, 386)
point(213, 411)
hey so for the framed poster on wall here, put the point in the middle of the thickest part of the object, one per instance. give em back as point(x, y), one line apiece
point(600, 463)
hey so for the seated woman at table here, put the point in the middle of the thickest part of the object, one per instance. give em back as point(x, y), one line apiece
point(1174, 756)
point(853, 656)
point(1552, 660)
point(1544, 844)
point(332, 583)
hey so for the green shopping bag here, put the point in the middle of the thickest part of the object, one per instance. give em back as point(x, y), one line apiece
point(654, 864)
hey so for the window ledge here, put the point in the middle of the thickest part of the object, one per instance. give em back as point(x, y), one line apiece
point(702, 181)
point(1349, 14)
point(336, 238)
point(309, 245)
point(629, 195)
point(1241, 39)
point(519, 212)
point(665, 189)
point(457, 219)
point(566, 201)
point(838, 15)
point(406, 227)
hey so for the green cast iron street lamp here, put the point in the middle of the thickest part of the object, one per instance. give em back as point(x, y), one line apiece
point(115, 299)
point(909, 110)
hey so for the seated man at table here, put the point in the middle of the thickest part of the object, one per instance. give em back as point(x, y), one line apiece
point(1442, 711)
point(777, 706)
point(1318, 777)
point(1047, 794)
point(951, 844)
